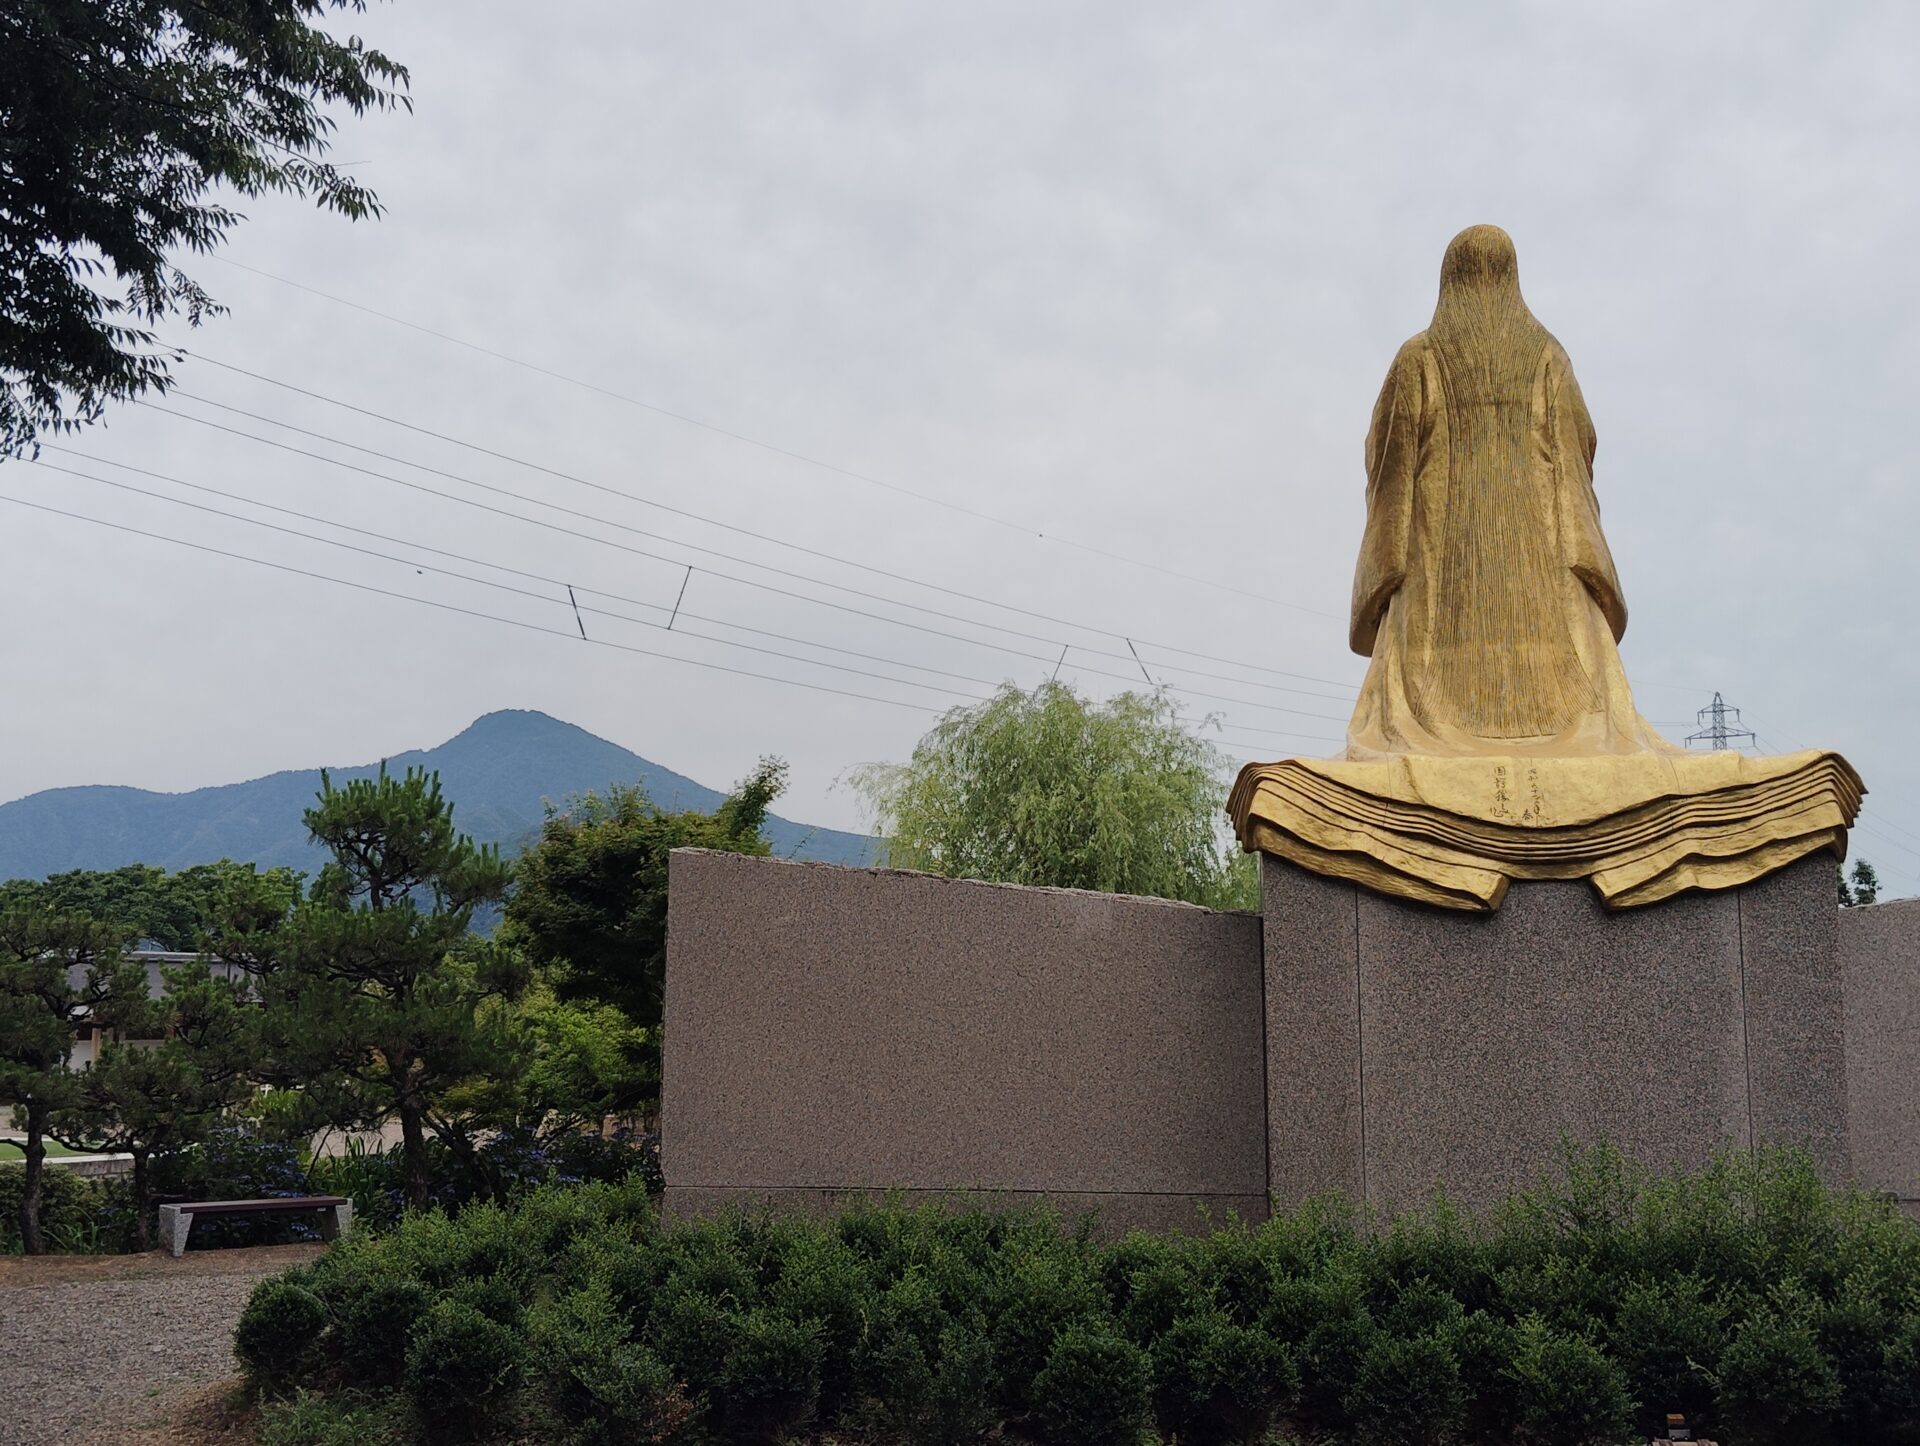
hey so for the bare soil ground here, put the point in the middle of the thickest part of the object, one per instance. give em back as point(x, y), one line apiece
point(127, 1350)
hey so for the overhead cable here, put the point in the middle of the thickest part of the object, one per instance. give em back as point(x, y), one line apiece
point(483, 450)
point(1025, 529)
point(731, 577)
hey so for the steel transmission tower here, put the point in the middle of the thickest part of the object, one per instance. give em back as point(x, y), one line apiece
point(1720, 727)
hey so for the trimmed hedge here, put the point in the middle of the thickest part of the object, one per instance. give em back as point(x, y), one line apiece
point(1767, 1308)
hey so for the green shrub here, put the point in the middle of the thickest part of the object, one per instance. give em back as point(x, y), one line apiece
point(1214, 1381)
point(277, 1339)
point(79, 1215)
point(500, 1298)
point(1094, 1389)
point(1775, 1383)
point(1232, 1272)
point(373, 1327)
point(1855, 1330)
point(704, 1256)
point(460, 1366)
point(1422, 1308)
point(1337, 1337)
point(599, 1387)
point(1043, 1293)
point(1148, 1282)
point(1766, 1309)
point(921, 1374)
point(821, 1280)
point(1407, 1392)
point(1565, 1391)
point(958, 1406)
point(695, 1336)
point(1898, 1411)
point(1667, 1336)
point(771, 1381)
point(1483, 1348)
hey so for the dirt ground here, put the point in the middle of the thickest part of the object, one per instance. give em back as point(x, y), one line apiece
point(127, 1350)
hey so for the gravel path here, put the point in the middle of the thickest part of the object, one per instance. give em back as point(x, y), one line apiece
point(92, 1347)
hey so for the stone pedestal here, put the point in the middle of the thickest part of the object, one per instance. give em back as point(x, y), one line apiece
point(1880, 962)
point(1410, 1047)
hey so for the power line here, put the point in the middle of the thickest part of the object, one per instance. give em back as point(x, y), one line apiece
point(466, 611)
point(1863, 824)
point(730, 577)
point(503, 586)
point(1808, 748)
point(559, 583)
point(580, 481)
point(690, 546)
point(476, 562)
point(751, 441)
point(463, 611)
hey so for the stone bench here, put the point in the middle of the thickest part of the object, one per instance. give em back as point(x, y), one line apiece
point(335, 1212)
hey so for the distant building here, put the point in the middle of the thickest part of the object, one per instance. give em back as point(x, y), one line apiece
point(90, 1037)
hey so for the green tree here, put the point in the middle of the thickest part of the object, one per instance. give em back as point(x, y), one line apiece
point(584, 1062)
point(376, 991)
point(554, 1069)
point(1047, 788)
point(1861, 886)
point(155, 1100)
point(589, 905)
point(57, 971)
point(174, 910)
point(118, 118)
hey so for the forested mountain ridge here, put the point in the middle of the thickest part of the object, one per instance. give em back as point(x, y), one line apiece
point(499, 772)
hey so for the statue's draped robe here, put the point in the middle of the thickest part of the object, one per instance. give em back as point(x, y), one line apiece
point(1485, 592)
point(1495, 736)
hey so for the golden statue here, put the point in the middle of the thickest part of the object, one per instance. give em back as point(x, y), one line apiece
point(1495, 737)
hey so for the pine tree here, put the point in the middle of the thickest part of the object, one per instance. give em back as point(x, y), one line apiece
point(154, 1100)
point(375, 991)
point(57, 972)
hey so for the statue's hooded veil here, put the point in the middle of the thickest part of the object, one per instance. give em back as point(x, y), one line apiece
point(1488, 341)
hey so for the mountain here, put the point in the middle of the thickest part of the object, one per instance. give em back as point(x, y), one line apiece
point(499, 773)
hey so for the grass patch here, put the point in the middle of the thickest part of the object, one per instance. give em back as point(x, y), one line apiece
point(11, 1151)
point(351, 1418)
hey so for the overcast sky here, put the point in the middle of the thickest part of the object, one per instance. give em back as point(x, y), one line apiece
point(1111, 287)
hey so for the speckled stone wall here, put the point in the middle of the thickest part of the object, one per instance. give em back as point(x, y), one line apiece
point(1410, 1047)
point(1880, 962)
point(834, 1031)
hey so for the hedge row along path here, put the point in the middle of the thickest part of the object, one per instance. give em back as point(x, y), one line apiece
point(105, 1348)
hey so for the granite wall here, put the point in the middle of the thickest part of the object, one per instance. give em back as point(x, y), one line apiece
point(1410, 1046)
point(837, 1030)
point(1880, 963)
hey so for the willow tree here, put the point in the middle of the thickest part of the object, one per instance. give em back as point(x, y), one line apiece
point(1049, 788)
